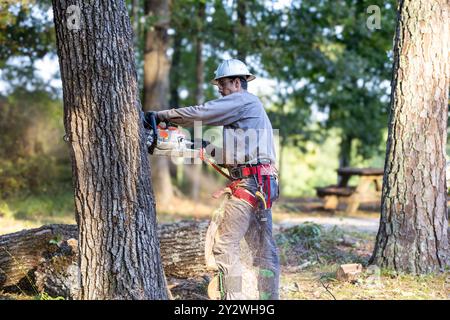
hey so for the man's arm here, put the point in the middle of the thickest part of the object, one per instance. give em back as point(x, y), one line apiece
point(217, 112)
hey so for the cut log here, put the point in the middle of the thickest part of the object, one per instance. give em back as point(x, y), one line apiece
point(349, 272)
point(45, 259)
point(21, 252)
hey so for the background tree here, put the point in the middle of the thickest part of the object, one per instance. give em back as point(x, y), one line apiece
point(119, 248)
point(331, 66)
point(241, 28)
point(156, 83)
point(352, 87)
point(413, 229)
point(26, 35)
point(200, 81)
point(30, 114)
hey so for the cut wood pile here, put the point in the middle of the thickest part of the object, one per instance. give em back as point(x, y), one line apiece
point(45, 259)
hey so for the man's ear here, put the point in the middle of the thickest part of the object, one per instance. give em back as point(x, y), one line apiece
point(237, 83)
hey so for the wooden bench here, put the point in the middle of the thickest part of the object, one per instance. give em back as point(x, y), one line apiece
point(333, 194)
point(353, 196)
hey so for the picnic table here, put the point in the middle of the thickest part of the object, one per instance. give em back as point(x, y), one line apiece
point(368, 188)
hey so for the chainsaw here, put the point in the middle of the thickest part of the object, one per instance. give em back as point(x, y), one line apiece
point(165, 139)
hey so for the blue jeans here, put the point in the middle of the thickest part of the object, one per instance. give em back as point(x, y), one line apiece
point(241, 221)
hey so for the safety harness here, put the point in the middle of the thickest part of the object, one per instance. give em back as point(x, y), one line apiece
point(237, 174)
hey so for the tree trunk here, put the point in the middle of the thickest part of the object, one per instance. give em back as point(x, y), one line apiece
point(344, 153)
point(45, 258)
point(242, 44)
point(21, 252)
point(175, 71)
point(119, 249)
point(135, 12)
point(413, 230)
point(280, 167)
point(199, 96)
point(156, 85)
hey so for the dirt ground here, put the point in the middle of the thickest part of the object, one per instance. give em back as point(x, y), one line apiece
point(312, 244)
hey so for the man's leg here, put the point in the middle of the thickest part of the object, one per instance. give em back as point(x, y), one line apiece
point(262, 244)
point(226, 248)
point(265, 256)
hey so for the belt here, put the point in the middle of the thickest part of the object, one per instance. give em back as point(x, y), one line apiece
point(245, 171)
point(238, 173)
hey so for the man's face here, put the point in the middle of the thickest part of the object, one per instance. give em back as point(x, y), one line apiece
point(228, 86)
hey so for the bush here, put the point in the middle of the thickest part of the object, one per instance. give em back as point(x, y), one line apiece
point(34, 175)
point(307, 234)
point(33, 156)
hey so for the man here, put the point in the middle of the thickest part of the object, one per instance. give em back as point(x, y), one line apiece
point(247, 213)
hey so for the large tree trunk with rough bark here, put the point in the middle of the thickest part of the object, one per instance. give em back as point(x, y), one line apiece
point(46, 259)
point(156, 84)
point(119, 249)
point(413, 229)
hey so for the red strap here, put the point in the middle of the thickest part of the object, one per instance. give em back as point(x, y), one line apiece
point(258, 172)
point(265, 170)
point(242, 193)
point(233, 185)
point(247, 196)
point(269, 204)
point(247, 171)
point(239, 192)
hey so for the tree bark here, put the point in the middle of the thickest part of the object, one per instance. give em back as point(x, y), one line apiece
point(135, 13)
point(119, 249)
point(413, 230)
point(344, 153)
point(21, 252)
point(199, 95)
point(175, 71)
point(156, 84)
point(241, 15)
point(46, 258)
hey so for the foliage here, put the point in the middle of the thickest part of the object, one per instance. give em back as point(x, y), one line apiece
point(307, 234)
point(331, 79)
point(332, 61)
point(308, 244)
point(46, 296)
point(26, 35)
point(33, 157)
point(40, 206)
point(321, 53)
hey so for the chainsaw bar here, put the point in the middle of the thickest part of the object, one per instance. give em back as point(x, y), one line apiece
point(187, 153)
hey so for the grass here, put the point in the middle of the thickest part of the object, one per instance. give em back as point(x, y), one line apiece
point(32, 211)
point(310, 256)
point(406, 287)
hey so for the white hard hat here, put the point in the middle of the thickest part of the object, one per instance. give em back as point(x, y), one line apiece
point(230, 68)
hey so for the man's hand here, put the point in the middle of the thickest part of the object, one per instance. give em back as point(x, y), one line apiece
point(148, 116)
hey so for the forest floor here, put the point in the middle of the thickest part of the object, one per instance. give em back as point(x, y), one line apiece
point(312, 244)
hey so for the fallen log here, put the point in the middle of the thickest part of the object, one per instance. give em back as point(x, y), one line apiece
point(45, 259)
point(21, 252)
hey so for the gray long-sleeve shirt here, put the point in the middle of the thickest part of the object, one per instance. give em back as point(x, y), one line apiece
point(247, 131)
